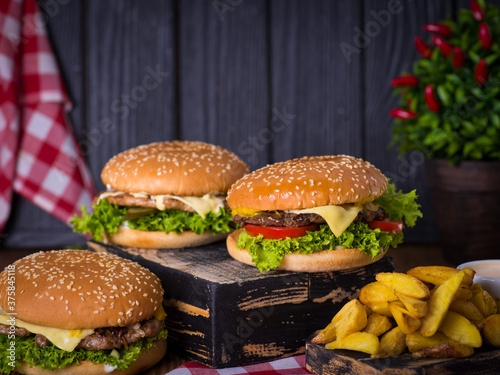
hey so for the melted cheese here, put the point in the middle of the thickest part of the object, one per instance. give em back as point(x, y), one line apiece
point(338, 218)
point(160, 313)
point(201, 205)
point(65, 339)
point(243, 211)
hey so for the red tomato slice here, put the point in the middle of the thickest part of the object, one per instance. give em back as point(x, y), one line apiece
point(275, 233)
point(386, 225)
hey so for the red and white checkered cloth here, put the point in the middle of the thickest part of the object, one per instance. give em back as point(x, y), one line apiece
point(287, 366)
point(39, 155)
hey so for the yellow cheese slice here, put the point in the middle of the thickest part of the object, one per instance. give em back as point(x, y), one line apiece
point(338, 218)
point(65, 339)
point(201, 205)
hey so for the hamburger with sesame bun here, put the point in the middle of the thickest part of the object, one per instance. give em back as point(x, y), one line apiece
point(164, 195)
point(317, 214)
point(80, 312)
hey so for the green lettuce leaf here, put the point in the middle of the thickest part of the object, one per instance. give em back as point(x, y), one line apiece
point(400, 205)
point(51, 357)
point(178, 221)
point(268, 254)
point(107, 218)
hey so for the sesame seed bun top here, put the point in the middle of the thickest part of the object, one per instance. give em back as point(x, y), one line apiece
point(77, 289)
point(308, 182)
point(179, 167)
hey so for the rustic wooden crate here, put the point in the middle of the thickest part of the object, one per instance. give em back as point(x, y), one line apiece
point(321, 361)
point(223, 313)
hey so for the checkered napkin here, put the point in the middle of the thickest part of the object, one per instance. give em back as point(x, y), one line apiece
point(39, 156)
point(287, 366)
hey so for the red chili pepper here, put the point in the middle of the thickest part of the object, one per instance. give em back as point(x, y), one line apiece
point(401, 113)
point(438, 28)
point(442, 45)
point(458, 57)
point(423, 48)
point(485, 36)
point(431, 100)
point(481, 73)
point(408, 80)
point(477, 11)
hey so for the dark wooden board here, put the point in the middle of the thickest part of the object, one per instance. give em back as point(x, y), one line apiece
point(322, 361)
point(223, 313)
point(223, 71)
point(311, 79)
point(131, 77)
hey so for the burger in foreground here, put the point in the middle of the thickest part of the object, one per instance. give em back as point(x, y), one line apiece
point(317, 214)
point(81, 312)
point(164, 195)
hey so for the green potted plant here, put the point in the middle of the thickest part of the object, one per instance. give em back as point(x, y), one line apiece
point(450, 111)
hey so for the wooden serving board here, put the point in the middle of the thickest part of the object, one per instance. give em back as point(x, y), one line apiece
point(322, 361)
point(223, 313)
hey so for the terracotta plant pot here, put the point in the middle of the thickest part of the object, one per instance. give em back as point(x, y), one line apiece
point(466, 201)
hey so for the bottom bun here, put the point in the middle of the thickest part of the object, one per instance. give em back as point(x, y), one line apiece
point(319, 261)
point(160, 240)
point(143, 362)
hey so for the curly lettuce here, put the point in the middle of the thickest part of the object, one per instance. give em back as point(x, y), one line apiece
point(399, 205)
point(107, 218)
point(267, 254)
point(51, 357)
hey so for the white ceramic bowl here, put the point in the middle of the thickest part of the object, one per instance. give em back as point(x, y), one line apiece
point(487, 274)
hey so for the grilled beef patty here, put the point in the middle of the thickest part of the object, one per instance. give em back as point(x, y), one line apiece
point(102, 338)
point(288, 219)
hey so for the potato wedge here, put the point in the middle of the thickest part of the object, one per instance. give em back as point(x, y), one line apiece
point(326, 335)
point(439, 304)
point(491, 330)
point(375, 293)
point(359, 341)
point(415, 307)
point(383, 308)
point(351, 318)
point(483, 300)
point(460, 329)
point(416, 341)
point(407, 322)
point(392, 343)
point(404, 284)
point(451, 350)
point(463, 293)
point(377, 324)
point(439, 274)
point(467, 309)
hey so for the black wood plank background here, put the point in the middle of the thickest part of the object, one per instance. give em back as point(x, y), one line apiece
point(267, 79)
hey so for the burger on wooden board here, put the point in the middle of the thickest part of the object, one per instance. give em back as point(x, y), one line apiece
point(317, 214)
point(164, 195)
point(80, 312)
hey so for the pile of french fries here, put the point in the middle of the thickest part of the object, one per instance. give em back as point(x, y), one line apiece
point(432, 311)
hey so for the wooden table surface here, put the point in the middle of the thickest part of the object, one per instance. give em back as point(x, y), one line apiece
point(405, 257)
